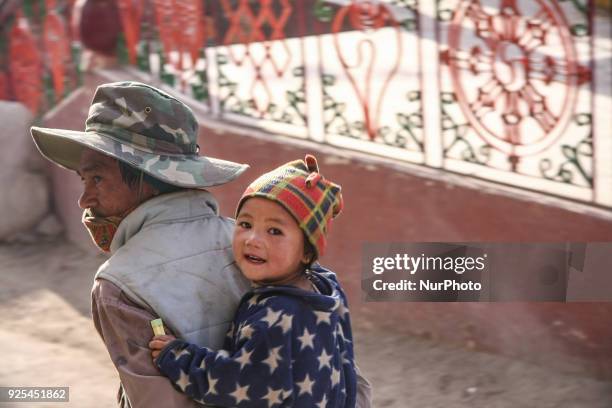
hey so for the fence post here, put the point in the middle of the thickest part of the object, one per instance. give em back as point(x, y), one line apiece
point(602, 106)
point(314, 89)
point(430, 85)
point(213, 81)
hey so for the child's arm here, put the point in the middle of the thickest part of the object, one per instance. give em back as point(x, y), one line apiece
point(258, 373)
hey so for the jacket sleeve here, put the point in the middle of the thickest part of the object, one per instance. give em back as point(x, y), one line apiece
point(126, 331)
point(258, 373)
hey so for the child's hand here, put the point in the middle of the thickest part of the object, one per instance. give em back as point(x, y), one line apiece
point(158, 343)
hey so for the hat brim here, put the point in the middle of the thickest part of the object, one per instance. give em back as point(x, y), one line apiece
point(64, 147)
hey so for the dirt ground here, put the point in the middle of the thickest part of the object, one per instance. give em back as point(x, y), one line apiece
point(49, 340)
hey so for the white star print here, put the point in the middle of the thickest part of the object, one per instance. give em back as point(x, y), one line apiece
point(245, 358)
point(322, 317)
point(324, 360)
point(323, 402)
point(221, 354)
point(241, 393)
point(273, 359)
point(253, 300)
point(345, 360)
point(271, 317)
point(274, 396)
point(266, 300)
point(179, 354)
point(306, 339)
point(306, 385)
point(343, 311)
point(212, 383)
point(340, 332)
point(285, 322)
point(228, 335)
point(183, 381)
point(335, 377)
point(241, 325)
point(246, 332)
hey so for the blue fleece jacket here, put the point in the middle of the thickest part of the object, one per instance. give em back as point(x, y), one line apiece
point(287, 347)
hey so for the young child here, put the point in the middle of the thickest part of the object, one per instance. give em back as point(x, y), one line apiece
point(290, 343)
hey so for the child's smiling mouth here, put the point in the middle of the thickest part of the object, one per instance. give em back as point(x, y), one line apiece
point(254, 259)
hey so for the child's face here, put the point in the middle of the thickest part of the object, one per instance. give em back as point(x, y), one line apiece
point(268, 243)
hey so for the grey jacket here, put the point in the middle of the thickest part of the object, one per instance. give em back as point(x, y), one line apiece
point(171, 258)
point(173, 255)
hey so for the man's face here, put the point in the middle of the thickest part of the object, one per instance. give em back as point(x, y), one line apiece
point(104, 191)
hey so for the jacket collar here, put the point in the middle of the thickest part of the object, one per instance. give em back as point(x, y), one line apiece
point(178, 206)
point(327, 299)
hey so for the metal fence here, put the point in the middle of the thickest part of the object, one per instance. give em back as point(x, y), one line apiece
point(513, 91)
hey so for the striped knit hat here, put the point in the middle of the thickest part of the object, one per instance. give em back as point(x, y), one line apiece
point(299, 187)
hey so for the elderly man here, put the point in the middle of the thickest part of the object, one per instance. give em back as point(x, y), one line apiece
point(144, 202)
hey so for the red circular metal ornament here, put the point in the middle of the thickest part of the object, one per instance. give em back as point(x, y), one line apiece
point(515, 92)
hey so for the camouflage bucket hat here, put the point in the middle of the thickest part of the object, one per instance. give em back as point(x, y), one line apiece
point(145, 128)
